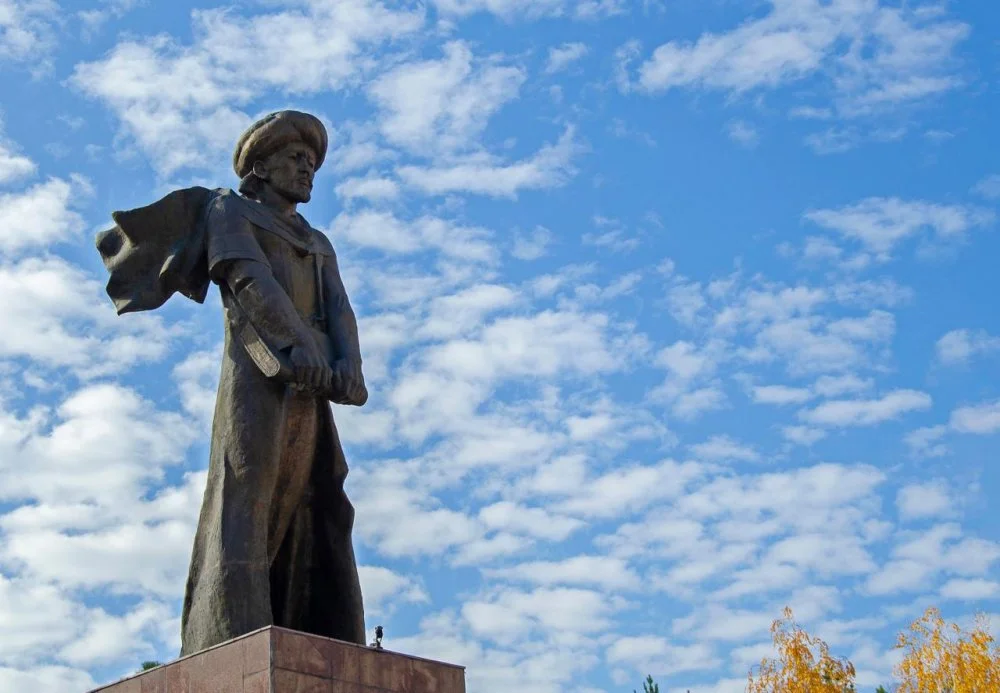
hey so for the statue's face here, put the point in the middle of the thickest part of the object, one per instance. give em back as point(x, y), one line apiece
point(290, 172)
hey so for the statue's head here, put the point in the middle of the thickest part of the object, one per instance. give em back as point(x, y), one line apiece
point(283, 151)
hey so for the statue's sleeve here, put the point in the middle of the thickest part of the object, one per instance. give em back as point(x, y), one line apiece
point(342, 324)
point(230, 236)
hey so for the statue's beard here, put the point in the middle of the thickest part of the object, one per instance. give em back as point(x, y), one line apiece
point(296, 194)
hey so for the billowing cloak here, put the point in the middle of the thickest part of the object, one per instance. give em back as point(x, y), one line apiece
point(273, 545)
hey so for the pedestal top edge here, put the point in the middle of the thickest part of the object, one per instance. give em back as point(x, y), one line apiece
point(366, 647)
point(181, 659)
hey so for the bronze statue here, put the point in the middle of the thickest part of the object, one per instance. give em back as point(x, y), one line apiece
point(274, 538)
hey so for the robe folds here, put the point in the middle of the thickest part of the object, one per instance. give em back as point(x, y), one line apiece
point(273, 545)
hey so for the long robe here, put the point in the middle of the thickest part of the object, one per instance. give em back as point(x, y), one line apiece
point(273, 545)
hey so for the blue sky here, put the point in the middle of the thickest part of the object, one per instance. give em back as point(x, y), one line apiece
point(673, 313)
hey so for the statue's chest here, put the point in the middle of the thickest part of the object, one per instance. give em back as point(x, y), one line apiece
point(296, 266)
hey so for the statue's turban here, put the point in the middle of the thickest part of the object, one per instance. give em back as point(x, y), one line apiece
point(269, 134)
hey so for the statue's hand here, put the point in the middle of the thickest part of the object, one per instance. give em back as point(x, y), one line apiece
point(310, 367)
point(349, 383)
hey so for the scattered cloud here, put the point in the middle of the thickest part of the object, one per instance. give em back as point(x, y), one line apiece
point(59, 317)
point(926, 442)
point(42, 215)
point(874, 56)
point(989, 187)
point(179, 103)
point(879, 224)
point(14, 166)
point(561, 57)
point(867, 412)
point(532, 246)
point(722, 448)
point(436, 107)
point(926, 500)
point(743, 133)
point(606, 572)
point(26, 29)
point(533, 9)
point(384, 231)
point(980, 419)
point(780, 394)
point(482, 174)
point(373, 188)
point(958, 347)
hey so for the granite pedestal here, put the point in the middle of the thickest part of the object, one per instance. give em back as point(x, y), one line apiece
point(275, 660)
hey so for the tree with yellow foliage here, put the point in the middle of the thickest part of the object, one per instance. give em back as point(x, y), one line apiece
point(941, 658)
point(804, 664)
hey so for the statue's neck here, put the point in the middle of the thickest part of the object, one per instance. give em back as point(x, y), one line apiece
point(277, 203)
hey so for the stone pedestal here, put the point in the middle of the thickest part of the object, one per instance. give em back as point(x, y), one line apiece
point(275, 660)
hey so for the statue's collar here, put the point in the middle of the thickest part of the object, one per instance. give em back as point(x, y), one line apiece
point(303, 236)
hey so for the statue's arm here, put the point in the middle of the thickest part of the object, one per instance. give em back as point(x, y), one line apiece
point(238, 264)
point(342, 328)
point(264, 303)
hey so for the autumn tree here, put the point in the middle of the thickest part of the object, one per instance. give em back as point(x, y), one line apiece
point(804, 664)
point(941, 658)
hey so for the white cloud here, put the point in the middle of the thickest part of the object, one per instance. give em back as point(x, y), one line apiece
point(657, 656)
point(435, 107)
point(180, 103)
point(743, 133)
point(724, 448)
point(89, 449)
point(780, 394)
point(383, 590)
point(14, 166)
point(803, 435)
point(41, 215)
point(835, 140)
point(970, 590)
point(685, 362)
point(606, 572)
point(531, 246)
point(59, 317)
point(532, 9)
point(958, 347)
point(26, 29)
point(835, 385)
point(512, 613)
point(917, 501)
point(536, 522)
point(690, 405)
point(384, 231)
point(918, 558)
point(561, 57)
point(981, 419)
point(483, 174)
point(926, 442)
point(908, 55)
point(867, 412)
point(631, 489)
point(371, 187)
point(880, 224)
point(989, 187)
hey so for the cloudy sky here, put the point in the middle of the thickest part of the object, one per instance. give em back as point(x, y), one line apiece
point(673, 312)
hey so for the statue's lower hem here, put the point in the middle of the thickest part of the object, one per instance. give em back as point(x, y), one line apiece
point(275, 660)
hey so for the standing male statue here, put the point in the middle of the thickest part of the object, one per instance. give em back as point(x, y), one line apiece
point(274, 538)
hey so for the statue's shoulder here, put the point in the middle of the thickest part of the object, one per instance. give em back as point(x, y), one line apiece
point(226, 203)
point(323, 243)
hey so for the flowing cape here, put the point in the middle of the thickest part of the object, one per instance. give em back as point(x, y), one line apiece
point(158, 250)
